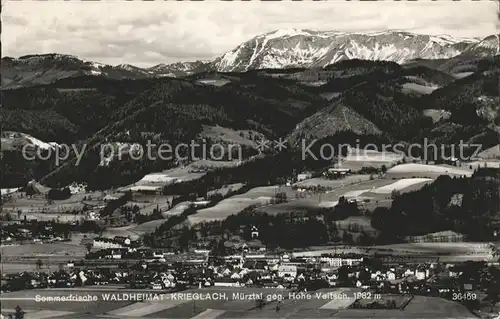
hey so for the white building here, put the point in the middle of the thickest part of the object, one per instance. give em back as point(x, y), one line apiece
point(254, 232)
point(420, 275)
point(105, 244)
point(287, 270)
point(391, 275)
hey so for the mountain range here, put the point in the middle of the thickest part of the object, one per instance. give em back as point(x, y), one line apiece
point(287, 48)
point(292, 84)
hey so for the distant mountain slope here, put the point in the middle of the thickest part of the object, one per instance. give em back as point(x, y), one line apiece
point(470, 99)
point(279, 49)
point(366, 98)
point(44, 124)
point(330, 121)
point(39, 69)
point(380, 99)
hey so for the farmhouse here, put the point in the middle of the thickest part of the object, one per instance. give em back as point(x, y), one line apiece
point(443, 236)
point(109, 198)
point(449, 160)
point(303, 176)
point(337, 173)
point(254, 232)
point(106, 243)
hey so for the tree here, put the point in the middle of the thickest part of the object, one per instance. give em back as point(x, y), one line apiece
point(39, 264)
point(343, 275)
point(347, 238)
point(493, 294)
point(364, 239)
point(19, 314)
point(89, 246)
point(383, 169)
point(259, 303)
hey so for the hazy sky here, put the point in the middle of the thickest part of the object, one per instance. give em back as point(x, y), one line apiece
point(148, 33)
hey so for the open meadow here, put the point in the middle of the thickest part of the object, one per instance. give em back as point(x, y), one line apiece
point(14, 268)
point(446, 252)
point(333, 183)
point(426, 171)
point(419, 307)
point(401, 185)
point(48, 249)
point(214, 302)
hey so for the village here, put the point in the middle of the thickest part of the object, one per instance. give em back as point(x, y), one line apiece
point(375, 281)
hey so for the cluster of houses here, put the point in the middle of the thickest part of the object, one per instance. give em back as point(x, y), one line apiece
point(117, 242)
point(18, 234)
point(251, 265)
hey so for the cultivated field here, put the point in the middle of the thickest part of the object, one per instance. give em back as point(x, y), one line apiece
point(38, 207)
point(428, 171)
point(14, 268)
point(484, 163)
point(49, 309)
point(235, 204)
point(129, 230)
point(399, 299)
point(193, 171)
point(215, 82)
point(41, 206)
point(333, 183)
point(227, 188)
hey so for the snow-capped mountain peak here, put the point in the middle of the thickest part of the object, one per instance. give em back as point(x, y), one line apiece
point(277, 49)
point(286, 48)
point(486, 47)
point(285, 33)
